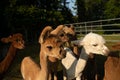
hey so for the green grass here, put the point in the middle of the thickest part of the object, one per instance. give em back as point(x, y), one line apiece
point(112, 37)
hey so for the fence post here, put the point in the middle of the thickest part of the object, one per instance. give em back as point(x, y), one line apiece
point(85, 28)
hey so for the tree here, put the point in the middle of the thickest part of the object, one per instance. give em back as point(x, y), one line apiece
point(94, 9)
point(112, 9)
point(88, 10)
point(81, 10)
point(31, 16)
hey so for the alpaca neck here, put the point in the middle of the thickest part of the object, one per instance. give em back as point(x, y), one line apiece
point(8, 59)
point(44, 65)
point(84, 54)
point(81, 61)
point(76, 51)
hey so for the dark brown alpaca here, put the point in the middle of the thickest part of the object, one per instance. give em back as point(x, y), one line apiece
point(16, 42)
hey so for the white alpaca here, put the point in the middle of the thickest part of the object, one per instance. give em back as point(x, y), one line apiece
point(91, 43)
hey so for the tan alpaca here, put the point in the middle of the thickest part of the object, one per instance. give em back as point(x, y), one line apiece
point(17, 42)
point(64, 33)
point(52, 46)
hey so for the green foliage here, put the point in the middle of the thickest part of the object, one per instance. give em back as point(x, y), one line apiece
point(112, 9)
point(12, 3)
point(94, 9)
point(81, 10)
point(97, 9)
point(26, 15)
point(31, 16)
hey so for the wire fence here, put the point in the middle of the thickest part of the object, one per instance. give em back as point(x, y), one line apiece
point(108, 28)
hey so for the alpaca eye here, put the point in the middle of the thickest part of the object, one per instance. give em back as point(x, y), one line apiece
point(95, 45)
point(49, 47)
point(17, 40)
point(61, 45)
point(62, 35)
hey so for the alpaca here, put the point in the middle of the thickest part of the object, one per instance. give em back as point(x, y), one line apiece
point(52, 46)
point(72, 36)
point(91, 44)
point(112, 64)
point(64, 33)
point(17, 42)
point(102, 65)
point(116, 46)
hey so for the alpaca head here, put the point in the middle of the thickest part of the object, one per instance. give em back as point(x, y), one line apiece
point(94, 43)
point(51, 44)
point(69, 30)
point(63, 32)
point(16, 40)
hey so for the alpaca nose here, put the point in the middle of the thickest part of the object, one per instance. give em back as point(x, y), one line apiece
point(106, 51)
point(23, 44)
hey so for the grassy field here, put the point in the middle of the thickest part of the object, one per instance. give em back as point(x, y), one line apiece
point(32, 50)
point(112, 39)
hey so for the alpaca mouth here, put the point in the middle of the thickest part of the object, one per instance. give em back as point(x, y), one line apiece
point(22, 47)
point(106, 52)
point(61, 56)
point(91, 55)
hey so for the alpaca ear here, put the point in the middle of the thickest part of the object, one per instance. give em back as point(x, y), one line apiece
point(5, 40)
point(69, 30)
point(57, 30)
point(45, 33)
point(71, 26)
point(81, 43)
point(76, 42)
point(17, 35)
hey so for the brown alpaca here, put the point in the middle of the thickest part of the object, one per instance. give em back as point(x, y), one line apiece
point(74, 48)
point(64, 33)
point(112, 64)
point(116, 46)
point(52, 46)
point(17, 42)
